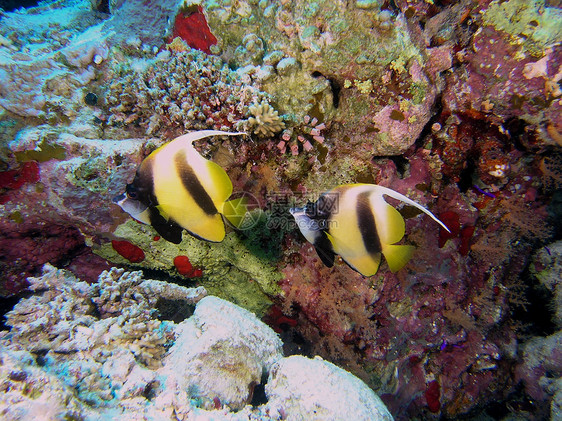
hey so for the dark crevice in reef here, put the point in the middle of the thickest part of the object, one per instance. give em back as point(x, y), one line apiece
point(516, 401)
point(466, 177)
point(103, 7)
point(554, 210)
point(535, 312)
point(334, 86)
point(174, 310)
point(258, 393)
point(6, 305)
point(11, 5)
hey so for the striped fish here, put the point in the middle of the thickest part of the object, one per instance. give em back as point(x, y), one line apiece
point(176, 188)
point(356, 222)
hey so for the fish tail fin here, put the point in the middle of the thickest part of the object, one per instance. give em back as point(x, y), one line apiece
point(402, 198)
point(397, 255)
point(235, 211)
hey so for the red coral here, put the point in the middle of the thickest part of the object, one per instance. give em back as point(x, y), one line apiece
point(185, 268)
point(196, 273)
point(183, 265)
point(192, 27)
point(129, 251)
point(452, 221)
point(432, 395)
point(15, 179)
point(277, 320)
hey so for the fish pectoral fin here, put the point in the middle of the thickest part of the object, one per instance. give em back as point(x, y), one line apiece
point(160, 211)
point(325, 250)
point(397, 255)
point(235, 211)
point(167, 228)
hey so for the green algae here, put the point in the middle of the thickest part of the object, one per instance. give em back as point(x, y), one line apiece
point(298, 93)
point(43, 152)
point(231, 269)
point(529, 23)
point(17, 217)
point(418, 91)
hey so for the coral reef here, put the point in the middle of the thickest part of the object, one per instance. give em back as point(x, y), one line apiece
point(251, 281)
point(512, 68)
point(126, 346)
point(454, 104)
point(329, 60)
point(190, 89)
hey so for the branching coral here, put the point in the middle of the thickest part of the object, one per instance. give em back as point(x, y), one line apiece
point(184, 91)
point(85, 328)
point(265, 121)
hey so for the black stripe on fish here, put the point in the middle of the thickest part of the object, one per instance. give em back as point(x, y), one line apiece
point(367, 225)
point(326, 205)
point(192, 184)
point(143, 184)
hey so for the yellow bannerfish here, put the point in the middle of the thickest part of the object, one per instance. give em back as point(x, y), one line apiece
point(176, 188)
point(354, 221)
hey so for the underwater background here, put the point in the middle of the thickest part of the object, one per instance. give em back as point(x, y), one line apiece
point(455, 104)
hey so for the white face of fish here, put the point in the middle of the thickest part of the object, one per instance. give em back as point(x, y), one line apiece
point(308, 226)
point(133, 207)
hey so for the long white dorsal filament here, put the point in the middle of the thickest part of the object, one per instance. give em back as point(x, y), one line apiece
point(402, 198)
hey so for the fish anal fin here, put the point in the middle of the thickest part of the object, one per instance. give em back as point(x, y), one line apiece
point(397, 255)
point(167, 228)
point(325, 250)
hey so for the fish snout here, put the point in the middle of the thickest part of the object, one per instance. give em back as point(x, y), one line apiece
point(119, 198)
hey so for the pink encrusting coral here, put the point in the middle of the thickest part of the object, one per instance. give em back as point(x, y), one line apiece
point(26, 250)
point(15, 179)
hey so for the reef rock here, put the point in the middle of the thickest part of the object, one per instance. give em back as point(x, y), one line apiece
point(221, 352)
point(541, 370)
point(513, 68)
point(547, 268)
point(314, 389)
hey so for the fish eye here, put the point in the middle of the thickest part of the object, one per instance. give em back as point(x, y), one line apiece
point(131, 192)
